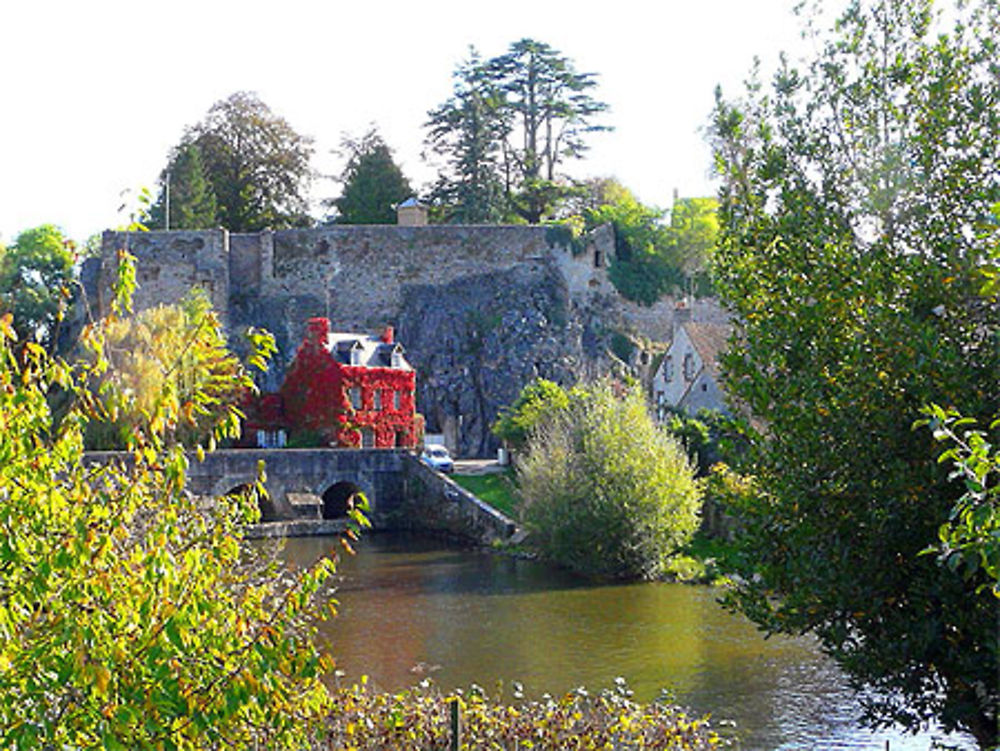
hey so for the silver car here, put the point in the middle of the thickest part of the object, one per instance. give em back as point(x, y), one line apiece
point(438, 458)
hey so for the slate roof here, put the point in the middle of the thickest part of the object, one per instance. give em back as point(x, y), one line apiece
point(709, 340)
point(374, 353)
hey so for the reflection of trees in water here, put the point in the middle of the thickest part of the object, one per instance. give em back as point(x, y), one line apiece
point(481, 617)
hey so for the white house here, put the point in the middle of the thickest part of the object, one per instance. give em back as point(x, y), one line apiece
point(688, 377)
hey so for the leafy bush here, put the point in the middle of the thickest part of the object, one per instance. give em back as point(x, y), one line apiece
point(538, 402)
point(419, 719)
point(130, 615)
point(165, 357)
point(605, 490)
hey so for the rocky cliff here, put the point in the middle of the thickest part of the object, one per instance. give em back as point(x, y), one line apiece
point(477, 340)
point(481, 310)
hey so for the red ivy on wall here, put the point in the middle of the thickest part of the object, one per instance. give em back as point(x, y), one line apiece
point(316, 396)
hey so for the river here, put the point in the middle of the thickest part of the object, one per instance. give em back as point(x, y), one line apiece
point(413, 607)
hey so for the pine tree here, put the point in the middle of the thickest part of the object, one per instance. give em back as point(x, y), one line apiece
point(191, 198)
point(373, 183)
point(467, 131)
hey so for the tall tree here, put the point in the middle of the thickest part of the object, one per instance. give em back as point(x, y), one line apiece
point(256, 163)
point(373, 182)
point(694, 225)
point(36, 282)
point(467, 131)
point(850, 253)
point(533, 106)
point(184, 186)
point(548, 114)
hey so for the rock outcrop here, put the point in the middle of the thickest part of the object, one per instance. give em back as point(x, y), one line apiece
point(481, 310)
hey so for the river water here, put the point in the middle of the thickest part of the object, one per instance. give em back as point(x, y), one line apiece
point(412, 608)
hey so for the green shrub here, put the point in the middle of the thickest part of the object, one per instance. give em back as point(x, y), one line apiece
point(419, 718)
point(538, 402)
point(605, 490)
point(130, 615)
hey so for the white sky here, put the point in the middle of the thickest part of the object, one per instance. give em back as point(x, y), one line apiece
point(94, 93)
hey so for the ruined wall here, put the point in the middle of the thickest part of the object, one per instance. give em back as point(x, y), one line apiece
point(168, 265)
point(481, 309)
point(356, 276)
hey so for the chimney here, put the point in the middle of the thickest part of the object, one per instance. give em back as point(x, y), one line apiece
point(317, 330)
point(682, 313)
point(388, 334)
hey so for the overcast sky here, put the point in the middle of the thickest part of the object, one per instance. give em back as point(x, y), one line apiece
point(94, 94)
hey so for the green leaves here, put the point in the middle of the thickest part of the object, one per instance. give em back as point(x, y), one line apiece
point(606, 491)
point(970, 542)
point(372, 183)
point(256, 166)
point(852, 250)
point(36, 282)
point(540, 401)
point(131, 613)
point(513, 120)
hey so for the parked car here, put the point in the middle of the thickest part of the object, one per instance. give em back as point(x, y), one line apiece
point(438, 458)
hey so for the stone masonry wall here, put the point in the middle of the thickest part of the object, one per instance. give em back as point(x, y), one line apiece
point(168, 265)
point(481, 309)
point(354, 275)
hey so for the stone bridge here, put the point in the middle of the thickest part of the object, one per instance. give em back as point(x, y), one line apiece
point(317, 484)
point(306, 482)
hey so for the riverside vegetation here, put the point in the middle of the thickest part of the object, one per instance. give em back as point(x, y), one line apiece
point(132, 616)
point(603, 490)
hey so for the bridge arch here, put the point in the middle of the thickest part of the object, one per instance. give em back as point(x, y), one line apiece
point(337, 491)
point(339, 498)
point(234, 484)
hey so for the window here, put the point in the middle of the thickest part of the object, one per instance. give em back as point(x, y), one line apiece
point(598, 259)
point(397, 400)
point(668, 368)
point(271, 439)
point(356, 356)
point(396, 360)
point(367, 438)
point(377, 399)
point(688, 367)
point(355, 395)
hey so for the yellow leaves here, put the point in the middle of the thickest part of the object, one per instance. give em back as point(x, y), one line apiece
point(7, 328)
point(102, 677)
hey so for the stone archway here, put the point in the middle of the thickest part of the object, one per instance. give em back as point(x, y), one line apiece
point(268, 512)
point(338, 499)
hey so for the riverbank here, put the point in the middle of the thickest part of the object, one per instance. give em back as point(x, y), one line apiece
point(704, 560)
point(423, 717)
point(412, 608)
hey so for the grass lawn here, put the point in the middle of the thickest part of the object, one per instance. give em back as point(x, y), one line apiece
point(497, 489)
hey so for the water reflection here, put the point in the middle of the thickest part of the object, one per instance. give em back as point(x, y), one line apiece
point(411, 607)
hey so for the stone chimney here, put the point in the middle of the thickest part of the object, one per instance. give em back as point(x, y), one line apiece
point(411, 213)
point(682, 313)
point(317, 330)
point(387, 335)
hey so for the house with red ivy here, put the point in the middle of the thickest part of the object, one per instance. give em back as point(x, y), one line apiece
point(348, 390)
